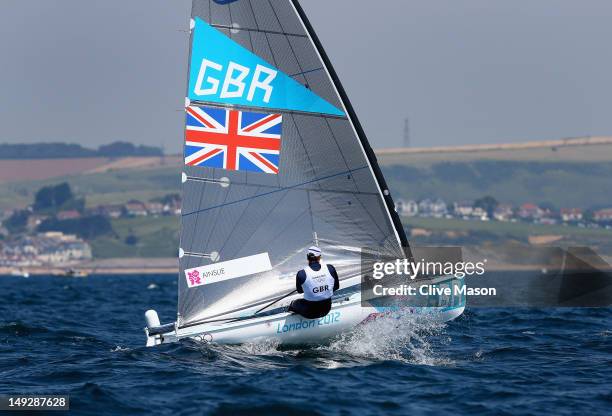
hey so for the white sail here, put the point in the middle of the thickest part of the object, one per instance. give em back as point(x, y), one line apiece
point(274, 155)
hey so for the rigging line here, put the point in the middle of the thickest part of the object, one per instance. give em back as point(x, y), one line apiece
point(206, 320)
point(276, 300)
point(254, 17)
point(276, 16)
point(271, 211)
point(236, 223)
point(244, 211)
point(367, 211)
point(303, 145)
point(312, 226)
point(259, 223)
point(210, 16)
point(331, 131)
point(229, 10)
point(239, 318)
point(293, 221)
point(305, 72)
point(274, 191)
point(251, 38)
point(273, 32)
point(289, 43)
point(319, 189)
point(215, 222)
point(345, 216)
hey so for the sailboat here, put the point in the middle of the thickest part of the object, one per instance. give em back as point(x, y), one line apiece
point(275, 160)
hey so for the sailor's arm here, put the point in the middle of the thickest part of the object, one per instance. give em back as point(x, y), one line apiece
point(300, 278)
point(334, 273)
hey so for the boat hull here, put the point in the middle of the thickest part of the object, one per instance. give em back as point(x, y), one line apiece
point(296, 330)
point(291, 329)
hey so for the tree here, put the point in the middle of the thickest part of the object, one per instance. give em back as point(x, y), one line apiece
point(84, 227)
point(52, 197)
point(17, 222)
point(487, 203)
point(116, 149)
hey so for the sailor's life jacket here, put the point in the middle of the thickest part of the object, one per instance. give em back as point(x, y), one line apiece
point(317, 282)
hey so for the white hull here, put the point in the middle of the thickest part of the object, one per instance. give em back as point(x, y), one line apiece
point(291, 329)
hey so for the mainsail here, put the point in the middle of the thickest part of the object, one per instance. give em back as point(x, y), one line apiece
point(275, 160)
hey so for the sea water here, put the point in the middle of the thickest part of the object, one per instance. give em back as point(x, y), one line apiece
point(84, 337)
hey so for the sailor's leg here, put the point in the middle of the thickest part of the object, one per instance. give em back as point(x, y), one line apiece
point(298, 306)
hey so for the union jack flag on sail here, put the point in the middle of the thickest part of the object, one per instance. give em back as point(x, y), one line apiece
point(232, 139)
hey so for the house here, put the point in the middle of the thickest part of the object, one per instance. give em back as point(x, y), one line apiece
point(154, 208)
point(438, 208)
point(503, 212)
point(433, 208)
point(58, 248)
point(603, 215)
point(424, 205)
point(529, 211)
point(408, 208)
point(463, 209)
point(51, 248)
point(571, 214)
point(68, 215)
point(109, 211)
point(480, 213)
point(135, 209)
point(172, 206)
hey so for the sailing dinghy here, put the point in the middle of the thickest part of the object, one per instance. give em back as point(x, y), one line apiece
point(275, 160)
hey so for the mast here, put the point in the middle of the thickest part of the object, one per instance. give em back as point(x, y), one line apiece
point(352, 116)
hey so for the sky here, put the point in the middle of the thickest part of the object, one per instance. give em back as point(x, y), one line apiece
point(461, 71)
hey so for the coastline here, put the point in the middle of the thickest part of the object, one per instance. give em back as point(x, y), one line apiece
point(135, 266)
point(147, 266)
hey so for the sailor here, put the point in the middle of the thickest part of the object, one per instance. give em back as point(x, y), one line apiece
point(318, 282)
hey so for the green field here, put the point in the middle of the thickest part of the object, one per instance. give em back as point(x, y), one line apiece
point(156, 237)
point(558, 184)
point(114, 187)
point(572, 176)
point(518, 230)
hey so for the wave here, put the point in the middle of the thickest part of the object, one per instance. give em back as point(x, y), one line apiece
point(399, 336)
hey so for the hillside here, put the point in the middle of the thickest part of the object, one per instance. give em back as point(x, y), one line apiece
point(559, 174)
point(60, 150)
point(562, 173)
point(581, 149)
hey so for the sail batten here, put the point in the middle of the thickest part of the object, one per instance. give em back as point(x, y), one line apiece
point(275, 160)
point(256, 108)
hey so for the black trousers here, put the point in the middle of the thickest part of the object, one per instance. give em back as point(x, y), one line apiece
point(309, 309)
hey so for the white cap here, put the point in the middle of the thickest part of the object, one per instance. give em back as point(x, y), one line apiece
point(314, 250)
